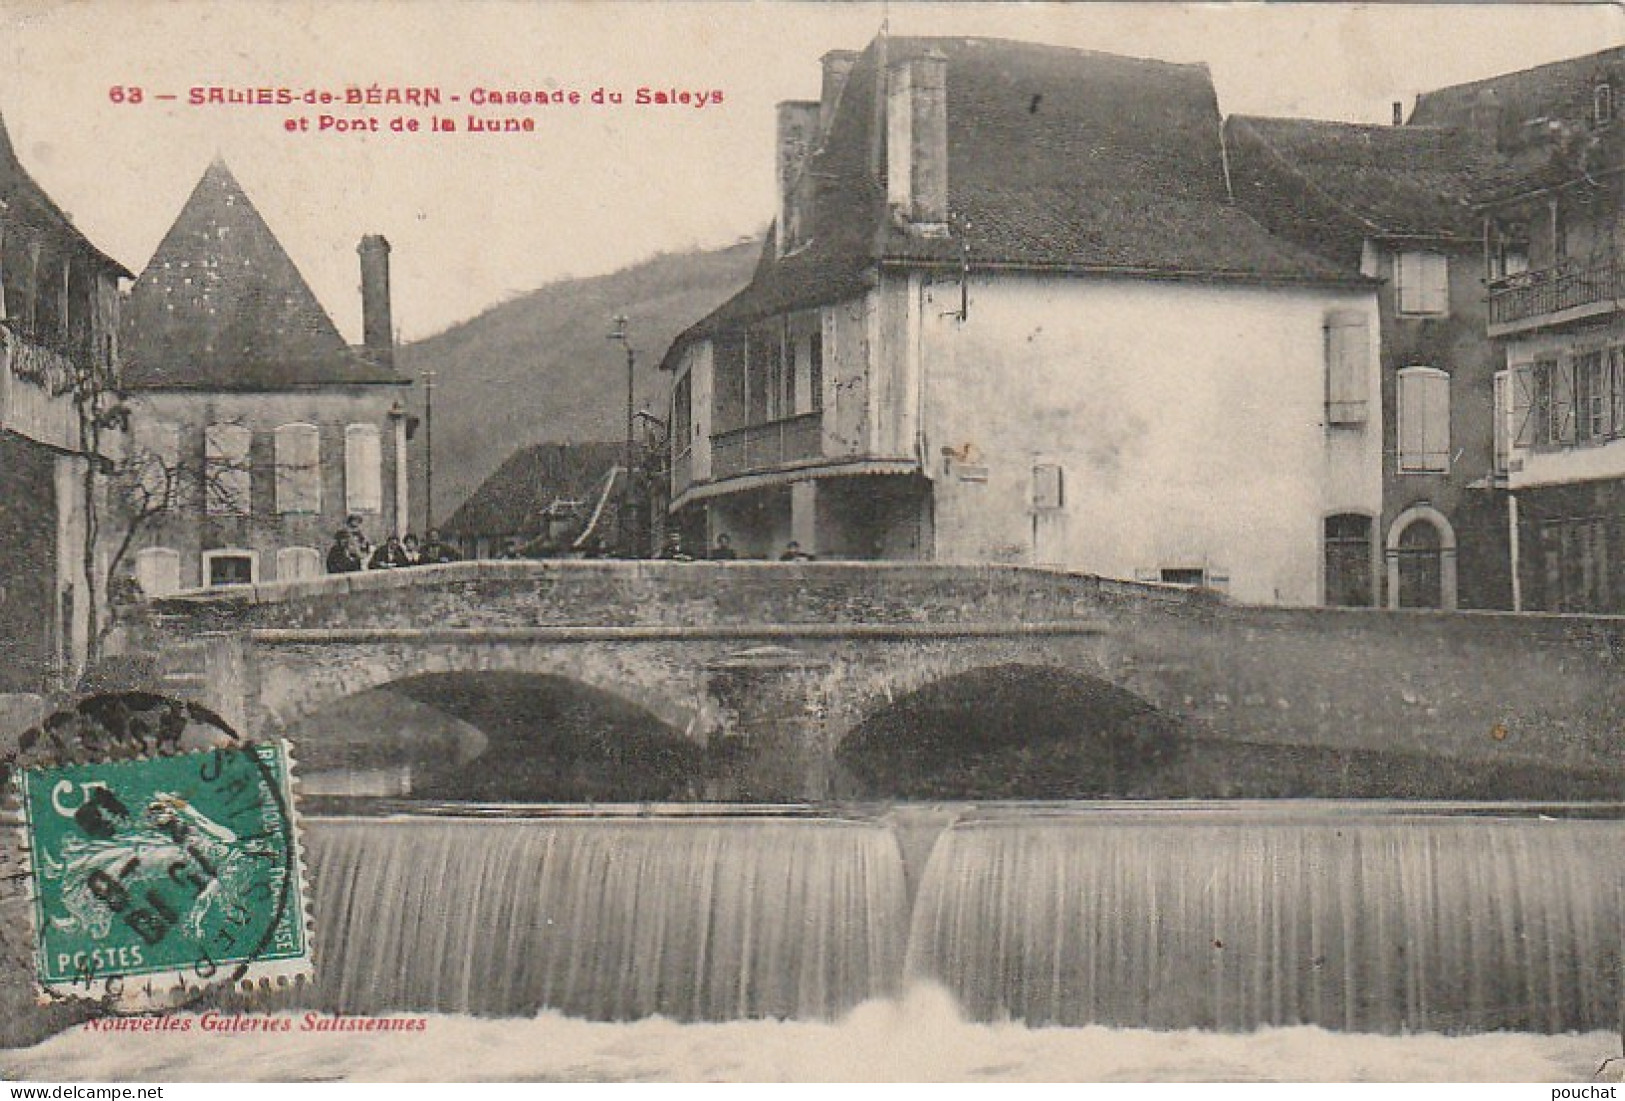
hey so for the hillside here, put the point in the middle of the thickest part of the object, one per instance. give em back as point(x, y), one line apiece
point(539, 369)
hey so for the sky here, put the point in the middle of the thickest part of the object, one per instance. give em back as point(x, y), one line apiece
point(477, 218)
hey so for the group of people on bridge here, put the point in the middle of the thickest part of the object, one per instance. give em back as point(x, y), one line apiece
point(352, 551)
point(672, 550)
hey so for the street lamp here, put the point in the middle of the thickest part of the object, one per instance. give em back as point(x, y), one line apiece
point(627, 536)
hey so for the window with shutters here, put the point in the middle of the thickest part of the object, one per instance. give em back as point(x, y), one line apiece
point(1592, 407)
point(1424, 420)
point(1422, 281)
point(363, 469)
point(1348, 359)
point(295, 563)
point(298, 469)
point(1554, 409)
point(1048, 492)
point(227, 479)
point(158, 571)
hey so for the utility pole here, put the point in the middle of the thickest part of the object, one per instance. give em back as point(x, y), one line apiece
point(628, 535)
point(428, 450)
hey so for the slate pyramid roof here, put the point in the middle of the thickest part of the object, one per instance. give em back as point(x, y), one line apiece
point(27, 201)
point(221, 306)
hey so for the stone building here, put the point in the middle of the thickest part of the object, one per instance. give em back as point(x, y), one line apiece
point(1394, 203)
point(59, 308)
point(1009, 312)
point(256, 430)
point(1554, 255)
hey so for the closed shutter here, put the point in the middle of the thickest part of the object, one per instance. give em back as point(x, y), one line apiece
point(363, 469)
point(155, 465)
point(1423, 280)
point(1562, 406)
point(1348, 354)
point(228, 483)
point(294, 563)
point(1523, 406)
point(1504, 425)
point(1424, 419)
point(158, 571)
point(298, 469)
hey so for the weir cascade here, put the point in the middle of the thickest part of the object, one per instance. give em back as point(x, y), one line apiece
point(1369, 917)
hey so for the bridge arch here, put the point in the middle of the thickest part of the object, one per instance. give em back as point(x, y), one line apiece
point(1010, 729)
point(295, 681)
point(495, 736)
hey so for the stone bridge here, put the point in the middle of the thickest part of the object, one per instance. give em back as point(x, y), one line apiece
point(788, 659)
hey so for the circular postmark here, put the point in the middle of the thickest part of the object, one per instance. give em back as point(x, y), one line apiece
point(158, 854)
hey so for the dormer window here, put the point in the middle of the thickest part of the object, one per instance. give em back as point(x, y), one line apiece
point(1602, 104)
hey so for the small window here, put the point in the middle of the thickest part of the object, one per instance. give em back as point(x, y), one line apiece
point(1348, 362)
point(1048, 491)
point(158, 571)
point(1423, 284)
point(363, 469)
point(298, 469)
point(1184, 575)
point(227, 481)
point(1424, 420)
point(1602, 104)
point(230, 567)
point(296, 563)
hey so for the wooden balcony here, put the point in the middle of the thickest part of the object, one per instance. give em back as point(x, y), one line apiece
point(1555, 296)
point(764, 447)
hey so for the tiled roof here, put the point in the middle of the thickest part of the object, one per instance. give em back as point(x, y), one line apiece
point(221, 307)
point(1394, 181)
point(516, 496)
point(1541, 120)
point(1561, 89)
point(1058, 159)
point(27, 201)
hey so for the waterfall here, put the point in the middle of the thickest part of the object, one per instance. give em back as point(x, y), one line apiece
point(1228, 920)
point(1355, 918)
point(607, 918)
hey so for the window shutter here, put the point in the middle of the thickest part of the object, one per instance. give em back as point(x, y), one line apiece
point(1424, 419)
point(1562, 402)
point(1435, 283)
point(298, 469)
point(363, 469)
point(294, 563)
point(1348, 353)
point(158, 571)
point(228, 484)
point(1504, 424)
point(1436, 421)
point(1523, 406)
point(155, 464)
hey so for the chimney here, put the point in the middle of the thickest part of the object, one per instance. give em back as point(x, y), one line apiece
point(837, 67)
point(797, 132)
point(917, 141)
point(377, 329)
point(1399, 113)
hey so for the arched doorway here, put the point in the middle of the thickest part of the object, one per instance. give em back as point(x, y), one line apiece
point(1421, 554)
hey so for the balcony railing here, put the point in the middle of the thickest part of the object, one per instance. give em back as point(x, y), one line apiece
point(1549, 291)
point(767, 446)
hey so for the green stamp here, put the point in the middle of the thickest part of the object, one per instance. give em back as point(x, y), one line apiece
point(154, 878)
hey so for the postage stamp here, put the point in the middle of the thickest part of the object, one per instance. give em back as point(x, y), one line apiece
point(155, 879)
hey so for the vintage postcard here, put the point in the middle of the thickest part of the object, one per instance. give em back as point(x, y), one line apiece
point(811, 542)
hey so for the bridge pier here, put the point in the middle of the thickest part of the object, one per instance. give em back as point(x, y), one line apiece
point(769, 746)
